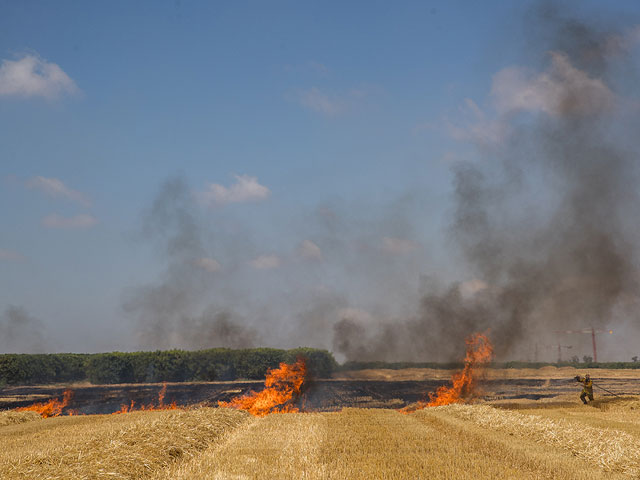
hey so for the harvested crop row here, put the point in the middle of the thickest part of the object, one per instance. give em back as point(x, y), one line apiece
point(522, 457)
point(130, 446)
point(444, 442)
point(280, 446)
point(10, 417)
point(612, 450)
point(374, 444)
point(363, 444)
point(622, 414)
point(366, 444)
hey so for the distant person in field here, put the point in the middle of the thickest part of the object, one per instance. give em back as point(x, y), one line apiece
point(587, 389)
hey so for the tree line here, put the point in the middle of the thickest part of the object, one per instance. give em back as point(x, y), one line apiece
point(216, 364)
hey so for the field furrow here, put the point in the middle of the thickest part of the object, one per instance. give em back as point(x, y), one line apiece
point(280, 446)
point(384, 444)
point(521, 455)
point(618, 414)
point(366, 444)
point(611, 450)
point(129, 446)
point(451, 442)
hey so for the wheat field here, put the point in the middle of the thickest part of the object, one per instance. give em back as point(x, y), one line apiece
point(558, 439)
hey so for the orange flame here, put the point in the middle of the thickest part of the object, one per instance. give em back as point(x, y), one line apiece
point(283, 387)
point(463, 383)
point(124, 408)
point(52, 408)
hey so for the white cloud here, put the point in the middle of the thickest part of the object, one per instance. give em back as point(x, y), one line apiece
point(265, 262)
point(10, 255)
point(55, 188)
point(318, 67)
point(476, 127)
point(398, 246)
point(311, 66)
point(208, 264)
point(319, 101)
point(561, 90)
point(246, 189)
point(308, 249)
point(32, 76)
point(78, 221)
point(424, 127)
point(331, 103)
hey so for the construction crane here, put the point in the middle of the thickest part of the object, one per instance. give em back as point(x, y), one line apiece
point(591, 331)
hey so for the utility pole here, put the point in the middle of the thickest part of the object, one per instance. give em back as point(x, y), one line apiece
point(559, 347)
point(592, 331)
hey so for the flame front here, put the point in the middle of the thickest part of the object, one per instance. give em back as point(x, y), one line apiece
point(52, 408)
point(283, 387)
point(161, 406)
point(463, 383)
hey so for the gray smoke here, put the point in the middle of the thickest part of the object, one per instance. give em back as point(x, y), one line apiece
point(176, 311)
point(20, 332)
point(547, 223)
point(214, 328)
point(542, 233)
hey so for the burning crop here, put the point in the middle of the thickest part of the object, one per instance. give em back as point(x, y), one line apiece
point(463, 382)
point(56, 407)
point(52, 408)
point(283, 388)
point(160, 406)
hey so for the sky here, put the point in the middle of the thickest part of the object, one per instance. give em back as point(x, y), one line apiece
point(190, 174)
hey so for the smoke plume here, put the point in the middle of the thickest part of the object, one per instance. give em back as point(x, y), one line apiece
point(546, 221)
point(20, 332)
point(542, 231)
point(175, 311)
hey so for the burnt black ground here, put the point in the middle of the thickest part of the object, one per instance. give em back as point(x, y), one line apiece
point(323, 395)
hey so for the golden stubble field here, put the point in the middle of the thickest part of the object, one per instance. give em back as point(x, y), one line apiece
point(502, 439)
point(558, 438)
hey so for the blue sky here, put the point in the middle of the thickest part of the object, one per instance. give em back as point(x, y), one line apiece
point(279, 118)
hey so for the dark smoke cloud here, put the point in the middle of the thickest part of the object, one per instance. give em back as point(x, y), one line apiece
point(175, 311)
point(593, 45)
point(196, 304)
point(542, 234)
point(20, 332)
point(217, 329)
point(547, 226)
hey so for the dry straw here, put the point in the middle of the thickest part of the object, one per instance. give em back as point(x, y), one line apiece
point(128, 446)
point(10, 417)
point(612, 450)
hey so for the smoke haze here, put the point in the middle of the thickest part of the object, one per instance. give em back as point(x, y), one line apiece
point(543, 227)
point(20, 332)
point(174, 312)
point(546, 222)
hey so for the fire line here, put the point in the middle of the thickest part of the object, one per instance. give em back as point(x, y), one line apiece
point(283, 388)
point(463, 383)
